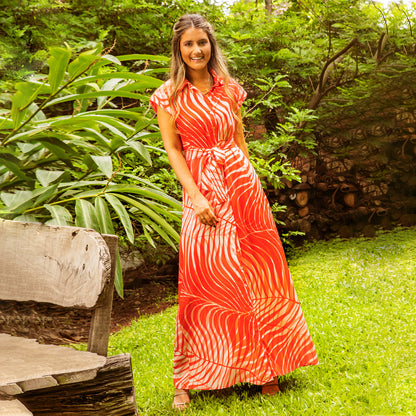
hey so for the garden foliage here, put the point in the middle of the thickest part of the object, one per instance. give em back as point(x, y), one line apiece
point(75, 143)
point(291, 60)
point(78, 145)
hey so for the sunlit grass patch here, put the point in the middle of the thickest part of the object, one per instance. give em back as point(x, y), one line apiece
point(358, 297)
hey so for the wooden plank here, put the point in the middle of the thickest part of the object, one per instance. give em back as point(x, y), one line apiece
point(42, 382)
point(111, 393)
point(100, 321)
point(69, 378)
point(31, 365)
point(68, 266)
point(13, 408)
point(10, 389)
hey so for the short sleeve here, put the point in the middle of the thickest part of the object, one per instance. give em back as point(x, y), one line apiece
point(160, 98)
point(238, 92)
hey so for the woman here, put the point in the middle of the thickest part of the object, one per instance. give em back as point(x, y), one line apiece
point(239, 318)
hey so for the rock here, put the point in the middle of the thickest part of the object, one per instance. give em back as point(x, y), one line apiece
point(130, 259)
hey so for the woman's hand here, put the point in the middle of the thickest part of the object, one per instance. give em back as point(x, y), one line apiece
point(173, 145)
point(204, 211)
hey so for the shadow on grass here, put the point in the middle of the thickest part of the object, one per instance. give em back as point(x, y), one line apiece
point(246, 390)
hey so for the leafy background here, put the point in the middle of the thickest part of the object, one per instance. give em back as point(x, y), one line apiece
point(79, 144)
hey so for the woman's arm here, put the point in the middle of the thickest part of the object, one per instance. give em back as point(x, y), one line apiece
point(173, 146)
point(239, 135)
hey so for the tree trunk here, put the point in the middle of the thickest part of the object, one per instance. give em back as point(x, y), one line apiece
point(268, 5)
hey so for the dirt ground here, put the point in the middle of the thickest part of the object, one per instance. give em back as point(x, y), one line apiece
point(146, 292)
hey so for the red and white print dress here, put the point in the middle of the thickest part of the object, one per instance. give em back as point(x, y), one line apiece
point(239, 318)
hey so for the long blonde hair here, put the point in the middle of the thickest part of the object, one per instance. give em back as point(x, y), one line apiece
point(178, 66)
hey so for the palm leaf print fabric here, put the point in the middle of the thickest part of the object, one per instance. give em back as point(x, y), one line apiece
point(239, 317)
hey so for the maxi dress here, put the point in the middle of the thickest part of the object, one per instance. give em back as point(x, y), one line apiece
point(239, 318)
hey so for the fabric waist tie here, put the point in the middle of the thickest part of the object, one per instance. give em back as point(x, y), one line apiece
point(212, 177)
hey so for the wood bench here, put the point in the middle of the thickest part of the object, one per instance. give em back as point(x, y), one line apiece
point(74, 268)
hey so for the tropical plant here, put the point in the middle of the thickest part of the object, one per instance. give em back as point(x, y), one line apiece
point(72, 145)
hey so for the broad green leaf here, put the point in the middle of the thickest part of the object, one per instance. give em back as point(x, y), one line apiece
point(112, 59)
point(148, 235)
point(152, 71)
point(151, 82)
point(151, 214)
point(159, 231)
point(91, 165)
point(85, 215)
point(118, 282)
point(18, 202)
point(8, 157)
point(143, 57)
point(60, 215)
point(55, 139)
point(142, 123)
point(57, 62)
point(14, 199)
point(73, 122)
point(101, 139)
point(141, 85)
point(5, 98)
point(39, 116)
point(25, 218)
point(113, 129)
point(25, 94)
point(155, 206)
point(156, 149)
point(122, 214)
point(43, 88)
point(141, 150)
point(43, 194)
point(81, 184)
point(110, 85)
point(145, 135)
point(58, 151)
point(155, 194)
point(89, 193)
point(28, 147)
point(103, 216)
point(90, 120)
point(27, 135)
point(13, 164)
point(45, 177)
point(6, 123)
point(137, 179)
point(81, 64)
point(119, 114)
point(73, 97)
point(117, 144)
point(105, 164)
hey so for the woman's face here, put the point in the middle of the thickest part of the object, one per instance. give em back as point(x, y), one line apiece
point(195, 49)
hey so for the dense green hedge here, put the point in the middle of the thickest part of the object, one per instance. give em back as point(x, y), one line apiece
point(29, 28)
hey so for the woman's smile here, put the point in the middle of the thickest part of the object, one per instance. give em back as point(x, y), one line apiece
point(195, 49)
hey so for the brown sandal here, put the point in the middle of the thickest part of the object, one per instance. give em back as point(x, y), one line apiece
point(180, 405)
point(271, 388)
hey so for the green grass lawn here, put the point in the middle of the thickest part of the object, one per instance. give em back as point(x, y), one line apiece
point(359, 299)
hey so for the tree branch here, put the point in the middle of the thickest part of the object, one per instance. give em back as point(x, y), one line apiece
point(326, 70)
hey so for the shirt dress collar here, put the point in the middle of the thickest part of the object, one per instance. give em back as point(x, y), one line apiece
point(217, 82)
